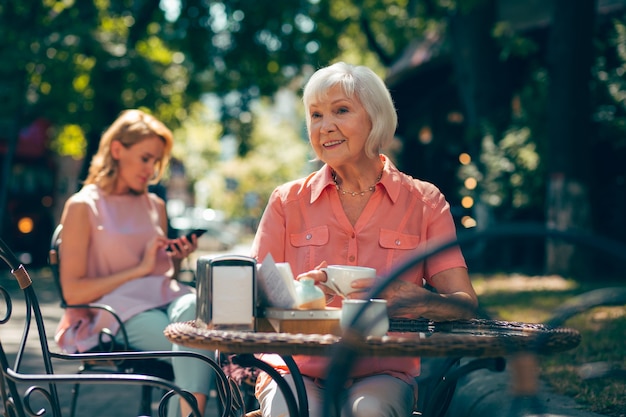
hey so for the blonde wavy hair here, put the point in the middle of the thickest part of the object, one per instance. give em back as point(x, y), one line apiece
point(131, 126)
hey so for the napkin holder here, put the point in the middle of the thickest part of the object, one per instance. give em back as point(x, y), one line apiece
point(226, 293)
point(324, 321)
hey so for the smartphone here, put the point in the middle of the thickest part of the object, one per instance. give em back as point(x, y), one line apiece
point(197, 232)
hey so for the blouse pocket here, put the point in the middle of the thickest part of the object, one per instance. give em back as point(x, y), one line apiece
point(391, 239)
point(316, 236)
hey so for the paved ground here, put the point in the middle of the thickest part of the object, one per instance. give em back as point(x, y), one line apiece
point(488, 394)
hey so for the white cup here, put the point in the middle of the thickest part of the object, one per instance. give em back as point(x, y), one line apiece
point(372, 322)
point(340, 277)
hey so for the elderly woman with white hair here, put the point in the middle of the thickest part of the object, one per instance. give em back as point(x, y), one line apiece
point(359, 209)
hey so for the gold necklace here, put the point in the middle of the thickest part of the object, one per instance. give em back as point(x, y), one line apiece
point(371, 188)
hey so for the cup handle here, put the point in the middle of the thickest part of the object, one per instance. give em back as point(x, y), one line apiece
point(330, 284)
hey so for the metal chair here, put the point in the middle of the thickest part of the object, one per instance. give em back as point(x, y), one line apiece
point(23, 390)
point(108, 344)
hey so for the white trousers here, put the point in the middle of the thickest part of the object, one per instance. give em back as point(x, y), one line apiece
point(374, 396)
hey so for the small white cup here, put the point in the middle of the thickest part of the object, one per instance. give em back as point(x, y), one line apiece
point(340, 277)
point(373, 321)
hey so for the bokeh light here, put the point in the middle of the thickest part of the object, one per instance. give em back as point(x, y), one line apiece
point(464, 158)
point(467, 202)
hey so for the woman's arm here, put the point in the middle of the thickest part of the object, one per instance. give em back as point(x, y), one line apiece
point(270, 235)
point(77, 287)
point(455, 297)
point(180, 247)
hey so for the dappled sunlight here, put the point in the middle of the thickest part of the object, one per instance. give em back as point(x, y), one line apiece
point(520, 283)
point(608, 313)
point(594, 371)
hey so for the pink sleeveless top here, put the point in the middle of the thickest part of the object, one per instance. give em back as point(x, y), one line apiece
point(120, 227)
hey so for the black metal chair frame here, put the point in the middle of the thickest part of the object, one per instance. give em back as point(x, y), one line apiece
point(107, 342)
point(18, 401)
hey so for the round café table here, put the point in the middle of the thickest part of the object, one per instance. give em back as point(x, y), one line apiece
point(476, 337)
point(418, 338)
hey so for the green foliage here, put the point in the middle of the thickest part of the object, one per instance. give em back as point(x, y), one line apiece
point(84, 62)
point(610, 86)
point(79, 63)
point(511, 43)
point(508, 173)
point(196, 141)
point(280, 155)
point(70, 141)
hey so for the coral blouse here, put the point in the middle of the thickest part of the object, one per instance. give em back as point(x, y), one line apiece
point(304, 224)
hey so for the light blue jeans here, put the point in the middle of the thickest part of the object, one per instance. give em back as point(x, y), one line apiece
point(145, 332)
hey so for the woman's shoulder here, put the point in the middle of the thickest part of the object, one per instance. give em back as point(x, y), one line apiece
point(156, 199)
point(78, 205)
point(293, 184)
point(425, 190)
point(413, 185)
point(425, 187)
point(85, 196)
point(293, 187)
point(159, 204)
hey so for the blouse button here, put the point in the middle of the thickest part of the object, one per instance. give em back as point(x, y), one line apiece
point(308, 237)
point(398, 242)
point(351, 258)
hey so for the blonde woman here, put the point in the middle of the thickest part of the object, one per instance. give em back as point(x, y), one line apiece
point(113, 250)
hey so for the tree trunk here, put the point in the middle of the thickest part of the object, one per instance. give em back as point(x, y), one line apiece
point(13, 100)
point(481, 77)
point(485, 90)
point(570, 54)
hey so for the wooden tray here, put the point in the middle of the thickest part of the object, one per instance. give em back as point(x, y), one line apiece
point(300, 321)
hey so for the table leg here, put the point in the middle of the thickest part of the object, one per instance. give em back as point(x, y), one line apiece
point(249, 360)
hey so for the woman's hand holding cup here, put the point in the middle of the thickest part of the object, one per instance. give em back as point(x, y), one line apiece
point(349, 281)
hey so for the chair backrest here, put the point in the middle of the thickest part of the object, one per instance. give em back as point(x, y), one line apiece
point(53, 261)
point(106, 341)
point(9, 389)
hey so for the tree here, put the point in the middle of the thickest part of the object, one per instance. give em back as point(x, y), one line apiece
point(79, 63)
point(570, 61)
point(481, 75)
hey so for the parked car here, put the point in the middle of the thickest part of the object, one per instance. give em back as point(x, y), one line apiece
point(219, 236)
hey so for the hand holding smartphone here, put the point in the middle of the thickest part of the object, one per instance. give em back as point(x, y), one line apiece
point(197, 232)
